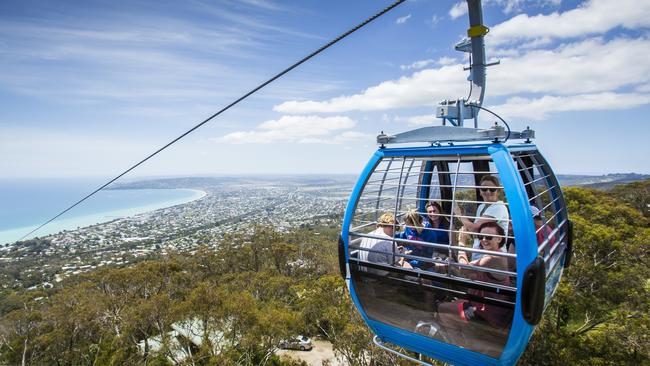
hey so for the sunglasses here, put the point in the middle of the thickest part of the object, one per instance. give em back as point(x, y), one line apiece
point(488, 190)
point(483, 237)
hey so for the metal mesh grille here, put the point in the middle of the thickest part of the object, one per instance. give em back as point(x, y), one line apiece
point(545, 194)
point(423, 296)
point(405, 184)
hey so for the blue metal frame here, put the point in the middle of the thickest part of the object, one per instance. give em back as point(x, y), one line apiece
point(524, 230)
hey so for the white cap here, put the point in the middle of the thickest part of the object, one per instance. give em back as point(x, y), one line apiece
point(535, 211)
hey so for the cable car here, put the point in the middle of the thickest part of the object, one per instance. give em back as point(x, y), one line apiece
point(402, 305)
point(453, 248)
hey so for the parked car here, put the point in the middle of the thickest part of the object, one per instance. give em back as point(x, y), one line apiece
point(298, 343)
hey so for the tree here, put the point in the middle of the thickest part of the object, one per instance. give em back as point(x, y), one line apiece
point(600, 313)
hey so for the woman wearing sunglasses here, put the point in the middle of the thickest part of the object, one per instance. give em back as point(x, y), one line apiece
point(473, 324)
point(492, 209)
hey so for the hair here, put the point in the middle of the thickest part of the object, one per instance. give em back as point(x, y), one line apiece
point(386, 219)
point(413, 218)
point(439, 207)
point(495, 226)
point(490, 178)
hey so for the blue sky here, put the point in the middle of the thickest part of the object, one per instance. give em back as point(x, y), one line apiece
point(88, 88)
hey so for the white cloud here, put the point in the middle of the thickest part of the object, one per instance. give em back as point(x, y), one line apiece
point(539, 108)
point(511, 6)
point(645, 88)
point(417, 65)
point(298, 129)
point(459, 9)
point(422, 120)
point(124, 58)
point(344, 137)
point(446, 60)
point(577, 68)
point(589, 66)
point(593, 17)
point(508, 6)
point(402, 20)
point(264, 4)
point(424, 87)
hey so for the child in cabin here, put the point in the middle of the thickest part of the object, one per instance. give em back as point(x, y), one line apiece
point(414, 231)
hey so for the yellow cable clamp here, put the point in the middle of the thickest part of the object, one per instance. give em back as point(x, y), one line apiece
point(477, 31)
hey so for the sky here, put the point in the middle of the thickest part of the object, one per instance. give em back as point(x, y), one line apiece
point(88, 88)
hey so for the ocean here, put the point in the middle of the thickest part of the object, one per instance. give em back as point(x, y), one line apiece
point(27, 203)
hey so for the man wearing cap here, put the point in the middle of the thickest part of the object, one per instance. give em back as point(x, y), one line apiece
point(383, 248)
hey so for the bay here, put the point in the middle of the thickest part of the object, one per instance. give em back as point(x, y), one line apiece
point(27, 203)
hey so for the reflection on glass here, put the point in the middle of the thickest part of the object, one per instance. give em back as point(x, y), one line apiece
point(406, 265)
point(427, 307)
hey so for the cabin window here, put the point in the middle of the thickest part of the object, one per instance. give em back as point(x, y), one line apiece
point(551, 223)
point(407, 265)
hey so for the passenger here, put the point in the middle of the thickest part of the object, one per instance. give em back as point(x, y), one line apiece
point(414, 230)
point(457, 317)
point(435, 220)
point(383, 250)
point(491, 210)
point(542, 231)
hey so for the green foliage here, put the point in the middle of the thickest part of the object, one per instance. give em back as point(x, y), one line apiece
point(244, 295)
point(258, 289)
point(635, 194)
point(599, 315)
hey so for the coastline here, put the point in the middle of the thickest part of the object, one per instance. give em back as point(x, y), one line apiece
point(74, 223)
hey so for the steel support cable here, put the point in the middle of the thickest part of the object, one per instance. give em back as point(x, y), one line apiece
point(497, 116)
point(277, 76)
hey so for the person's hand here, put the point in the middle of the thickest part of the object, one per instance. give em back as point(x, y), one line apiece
point(463, 237)
point(469, 312)
point(457, 210)
point(440, 268)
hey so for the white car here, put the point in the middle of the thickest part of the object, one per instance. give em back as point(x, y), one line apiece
point(298, 343)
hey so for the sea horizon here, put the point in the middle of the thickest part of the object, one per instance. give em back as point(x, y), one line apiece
point(26, 204)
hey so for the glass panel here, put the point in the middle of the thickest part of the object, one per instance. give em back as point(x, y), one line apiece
point(409, 268)
point(547, 204)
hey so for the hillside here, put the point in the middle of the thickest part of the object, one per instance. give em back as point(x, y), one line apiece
point(600, 181)
point(259, 286)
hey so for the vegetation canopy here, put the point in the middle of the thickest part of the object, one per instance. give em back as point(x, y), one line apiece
point(236, 304)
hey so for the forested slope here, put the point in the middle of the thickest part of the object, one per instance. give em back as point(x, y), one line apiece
point(261, 287)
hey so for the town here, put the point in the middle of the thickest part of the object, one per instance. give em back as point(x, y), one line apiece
point(229, 206)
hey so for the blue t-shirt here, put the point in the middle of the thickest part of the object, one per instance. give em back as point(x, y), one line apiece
point(433, 235)
point(416, 250)
point(427, 235)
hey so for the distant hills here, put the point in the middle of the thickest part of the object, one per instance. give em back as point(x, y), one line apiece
point(603, 182)
point(204, 182)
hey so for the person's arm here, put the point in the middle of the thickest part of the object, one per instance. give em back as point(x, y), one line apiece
point(399, 259)
point(468, 224)
point(463, 240)
point(494, 262)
